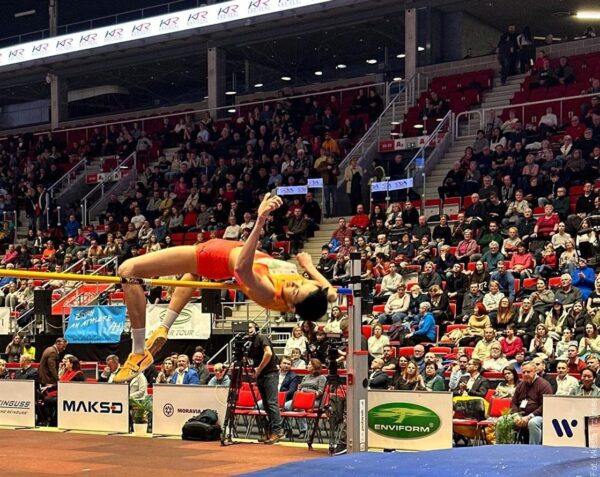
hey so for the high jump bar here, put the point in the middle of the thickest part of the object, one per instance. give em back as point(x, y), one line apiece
point(164, 282)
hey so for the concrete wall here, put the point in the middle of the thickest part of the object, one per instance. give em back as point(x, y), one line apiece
point(478, 36)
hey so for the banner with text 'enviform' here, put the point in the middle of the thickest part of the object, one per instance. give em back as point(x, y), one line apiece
point(96, 324)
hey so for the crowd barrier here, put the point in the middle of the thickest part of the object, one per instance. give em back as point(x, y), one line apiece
point(98, 407)
point(565, 419)
point(174, 404)
point(17, 403)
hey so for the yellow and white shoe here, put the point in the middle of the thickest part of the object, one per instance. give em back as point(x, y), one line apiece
point(156, 340)
point(135, 364)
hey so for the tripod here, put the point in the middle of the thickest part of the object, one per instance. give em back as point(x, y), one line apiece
point(240, 370)
point(333, 402)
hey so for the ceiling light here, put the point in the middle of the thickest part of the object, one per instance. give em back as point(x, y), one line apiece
point(401, 55)
point(439, 120)
point(318, 73)
point(371, 61)
point(25, 13)
point(230, 93)
point(418, 126)
point(341, 66)
point(258, 85)
point(394, 134)
point(231, 110)
point(286, 78)
point(205, 97)
point(395, 123)
point(421, 48)
point(588, 15)
point(397, 78)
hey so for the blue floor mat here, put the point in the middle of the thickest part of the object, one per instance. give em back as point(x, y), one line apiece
point(483, 461)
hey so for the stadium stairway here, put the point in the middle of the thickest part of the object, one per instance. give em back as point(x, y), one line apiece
point(499, 97)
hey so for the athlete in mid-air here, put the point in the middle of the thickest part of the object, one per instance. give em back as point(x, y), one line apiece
point(272, 283)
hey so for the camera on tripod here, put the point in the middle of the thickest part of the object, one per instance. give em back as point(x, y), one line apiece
point(241, 340)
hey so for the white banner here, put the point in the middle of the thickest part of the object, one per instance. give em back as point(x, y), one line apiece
point(174, 404)
point(196, 18)
point(564, 420)
point(410, 420)
point(5, 327)
point(400, 184)
point(292, 190)
point(17, 403)
point(315, 183)
point(93, 407)
point(191, 324)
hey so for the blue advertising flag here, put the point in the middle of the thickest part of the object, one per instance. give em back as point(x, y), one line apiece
point(95, 324)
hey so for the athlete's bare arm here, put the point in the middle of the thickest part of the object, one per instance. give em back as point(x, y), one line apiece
point(245, 261)
point(305, 261)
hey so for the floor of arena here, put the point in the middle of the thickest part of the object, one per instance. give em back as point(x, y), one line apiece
point(30, 453)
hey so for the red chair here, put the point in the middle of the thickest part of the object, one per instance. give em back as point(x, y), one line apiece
point(441, 350)
point(554, 282)
point(529, 282)
point(497, 407)
point(302, 404)
point(406, 351)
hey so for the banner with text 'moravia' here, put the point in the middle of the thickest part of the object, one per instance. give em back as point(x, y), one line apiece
point(191, 324)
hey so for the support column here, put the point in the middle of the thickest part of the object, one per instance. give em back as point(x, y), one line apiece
point(52, 17)
point(216, 79)
point(357, 366)
point(410, 42)
point(59, 100)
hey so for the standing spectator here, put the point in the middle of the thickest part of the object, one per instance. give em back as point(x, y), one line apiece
point(14, 349)
point(353, 176)
point(49, 362)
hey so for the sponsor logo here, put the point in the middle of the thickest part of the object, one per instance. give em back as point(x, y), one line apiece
point(141, 29)
point(5, 404)
point(230, 11)
point(288, 3)
point(88, 40)
point(563, 427)
point(64, 45)
point(168, 409)
point(197, 18)
point(99, 407)
point(116, 34)
point(168, 24)
point(403, 421)
point(184, 410)
point(255, 6)
point(39, 50)
point(17, 54)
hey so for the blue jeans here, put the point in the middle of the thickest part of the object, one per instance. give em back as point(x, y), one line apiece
point(535, 430)
point(268, 386)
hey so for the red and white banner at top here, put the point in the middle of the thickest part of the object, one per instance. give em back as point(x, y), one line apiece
point(209, 15)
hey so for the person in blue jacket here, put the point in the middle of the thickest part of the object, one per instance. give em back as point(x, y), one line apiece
point(184, 374)
point(584, 278)
point(425, 327)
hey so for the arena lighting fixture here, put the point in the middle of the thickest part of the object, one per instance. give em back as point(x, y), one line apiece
point(318, 73)
point(397, 78)
point(400, 55)
point(588, 15)
point(231, 93)
point(341, 66)
point(394, 134)
point(231, 110)
point(418, 126)
point(421, 48)
point(24, 13)
point(286, 78)
point(371, 61)
point(395, 123)
point(258, 85)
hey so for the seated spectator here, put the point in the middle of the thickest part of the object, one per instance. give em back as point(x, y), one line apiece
point(491, 299)
point(326, 264)
point(378, 378)
point(583, 278)
point(544, 77)
point(483, 347)
point(492, 256)
point(587, 386)
point(433, 381)
point(138, 386)
point(480, 275)
point(567, 294)
point(220, 378)
point(564, 71)
point(473, 384)
point(506, 389)
point(70, 372)
point(590, 343)
point(466, 248)
point(346, 249)
point(332, 325)
point(184, 374)
point(377, 341)
point(541, 345)
point(568, 260)
point(298, 341)
point(504, 315)
point(471, 298)
point(574, 132)
point(521, 263)
point(14, 349)
point(422, 327)
point(341, 271)
point(297, 360)
point(396, 308)
point(548, 123)
point(440, 307)
point(574, 364)
point(389, 284)
point(167, 369)
point(511, 343)
point(389, 360)
point(505, 281)
point(429, 278)
point(564, 384)
point(408, 379)
point(496, 361)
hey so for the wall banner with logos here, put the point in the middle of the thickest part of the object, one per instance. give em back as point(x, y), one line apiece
point(405, 143)
point(196, 18)
point(191, 324)
point(99, 407)
point(565, 420)
point(17, 403)
point(292, 190)
point(410, 420)
point(174, 404)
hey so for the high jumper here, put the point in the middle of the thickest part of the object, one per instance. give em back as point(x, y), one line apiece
point(272, 283)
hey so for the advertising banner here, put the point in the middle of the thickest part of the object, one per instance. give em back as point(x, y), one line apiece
point(5, 328)
point(191, 324)
point(93, 407)
point(316, 183)
point(292, 190)
point(391, 145)
point(398, 184)
point(96, 324)
point(565, 420)
point(17, 403)
point(174, 404)
point(196, 18)
point(410, 420)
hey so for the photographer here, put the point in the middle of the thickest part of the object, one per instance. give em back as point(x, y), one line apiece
point(266, 374)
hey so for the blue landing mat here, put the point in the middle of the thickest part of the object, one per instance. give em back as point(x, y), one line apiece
point(483, 461)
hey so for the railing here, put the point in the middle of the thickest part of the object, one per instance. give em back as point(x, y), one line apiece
point(64, 182)
point(429, 154)
point(101, 190)
point(472, 121)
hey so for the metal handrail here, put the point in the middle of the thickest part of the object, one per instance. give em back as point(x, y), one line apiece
point(132, 158)
point(433, 137)
point(482, 112)
point(67, 177)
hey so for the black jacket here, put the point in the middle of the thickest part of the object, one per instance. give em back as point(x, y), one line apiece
point(479, 389)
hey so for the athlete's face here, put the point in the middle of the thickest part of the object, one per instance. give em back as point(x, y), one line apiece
point(296, 292)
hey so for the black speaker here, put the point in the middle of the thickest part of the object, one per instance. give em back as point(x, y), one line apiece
point(211, 300)
point(42, 302)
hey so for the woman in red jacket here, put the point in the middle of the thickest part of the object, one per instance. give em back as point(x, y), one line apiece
point(547, 224)
point(70, 371)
